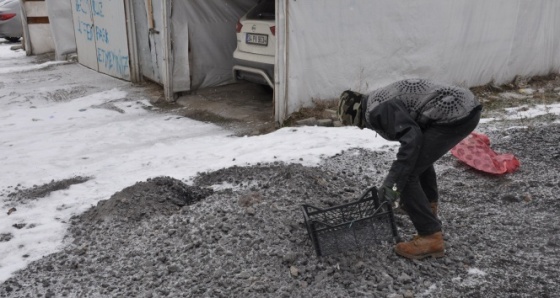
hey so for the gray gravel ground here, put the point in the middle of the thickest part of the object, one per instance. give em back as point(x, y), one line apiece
point(170, 238)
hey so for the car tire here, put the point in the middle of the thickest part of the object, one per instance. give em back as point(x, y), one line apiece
point(13, 39)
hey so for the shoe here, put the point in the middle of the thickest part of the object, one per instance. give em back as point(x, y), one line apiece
point(421, 247)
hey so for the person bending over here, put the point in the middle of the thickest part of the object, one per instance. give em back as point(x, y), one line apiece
point(427, 119)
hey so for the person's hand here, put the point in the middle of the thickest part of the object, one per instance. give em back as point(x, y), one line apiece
point(387, 193)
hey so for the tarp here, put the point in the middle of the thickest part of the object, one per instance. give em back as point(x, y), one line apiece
point(204, 32)
point(475, 151)
point(62, 27)
point(332, 46)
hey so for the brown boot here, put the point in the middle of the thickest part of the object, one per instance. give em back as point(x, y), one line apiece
point(422, 246)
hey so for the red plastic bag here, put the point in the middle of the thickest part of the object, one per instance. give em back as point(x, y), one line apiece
point(475, 151)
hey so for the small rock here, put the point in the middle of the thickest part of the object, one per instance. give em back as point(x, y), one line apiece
point(325, 122)
point(12, 210)
point(5, 237)
point(16, 47)
point(337, 123)
point(395, 295)
point(322, 182)
point(360, 265)
point(289, 258)
point(249, 199)
point(527, 198)
point(404, 278)
point(307, 122)
point(510, 198)
point(19, 225)
point(512, 95)
point(534, 183)
point(251, 211)
point(173, 269)
point(294, 272)
point(527, 91)
point(219, 273)
point(80, 251)
point(408, 294)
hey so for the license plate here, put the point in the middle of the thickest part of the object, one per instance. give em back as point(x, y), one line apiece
point(258, 39)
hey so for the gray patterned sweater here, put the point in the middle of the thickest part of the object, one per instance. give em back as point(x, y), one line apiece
point(403, 110)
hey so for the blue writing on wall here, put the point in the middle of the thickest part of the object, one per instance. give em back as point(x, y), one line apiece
point(97, 33)
point(97, 8)
point(101, 34)
point(83, 6)
point(85, 29)
point(113, 61)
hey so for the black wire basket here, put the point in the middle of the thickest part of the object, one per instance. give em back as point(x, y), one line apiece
point(365, 222)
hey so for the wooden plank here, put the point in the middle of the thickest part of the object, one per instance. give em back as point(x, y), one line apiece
point(37, 20)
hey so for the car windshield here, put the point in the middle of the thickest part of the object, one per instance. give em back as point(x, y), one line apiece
point(265, 10)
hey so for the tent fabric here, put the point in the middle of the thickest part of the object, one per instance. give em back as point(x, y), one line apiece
point(62, 27)
point(204, 36)
point(149, 42)
point(475, 151)
point(332, 46)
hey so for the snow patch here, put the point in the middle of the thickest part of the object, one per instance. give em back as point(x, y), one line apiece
point(476, 271)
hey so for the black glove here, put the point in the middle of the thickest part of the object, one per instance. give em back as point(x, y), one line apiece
point(388, 193)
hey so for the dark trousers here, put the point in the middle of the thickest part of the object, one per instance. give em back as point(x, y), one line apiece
point(421, 187)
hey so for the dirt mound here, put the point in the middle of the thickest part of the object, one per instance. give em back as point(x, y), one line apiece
point(22, 195)
point(156, 196)
point(313, 185)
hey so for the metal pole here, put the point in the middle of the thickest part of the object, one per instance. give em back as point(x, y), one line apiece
point(132, 43)
point(167, 52)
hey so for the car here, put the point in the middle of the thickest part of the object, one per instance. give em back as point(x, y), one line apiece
point(11, 27)
point(254, 57)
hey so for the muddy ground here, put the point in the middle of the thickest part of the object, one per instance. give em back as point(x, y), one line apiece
point(239, 231)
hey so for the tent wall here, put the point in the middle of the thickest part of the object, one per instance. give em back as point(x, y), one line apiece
point(36, 28)
point(331, 46)
point(102, 41)
point(203, 38)
point(62, 27)
point(148, 22)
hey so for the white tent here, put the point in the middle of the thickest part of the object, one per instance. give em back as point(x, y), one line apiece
point(327, 46)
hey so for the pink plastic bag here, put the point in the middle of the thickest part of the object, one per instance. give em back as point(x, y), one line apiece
point(475, 151)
